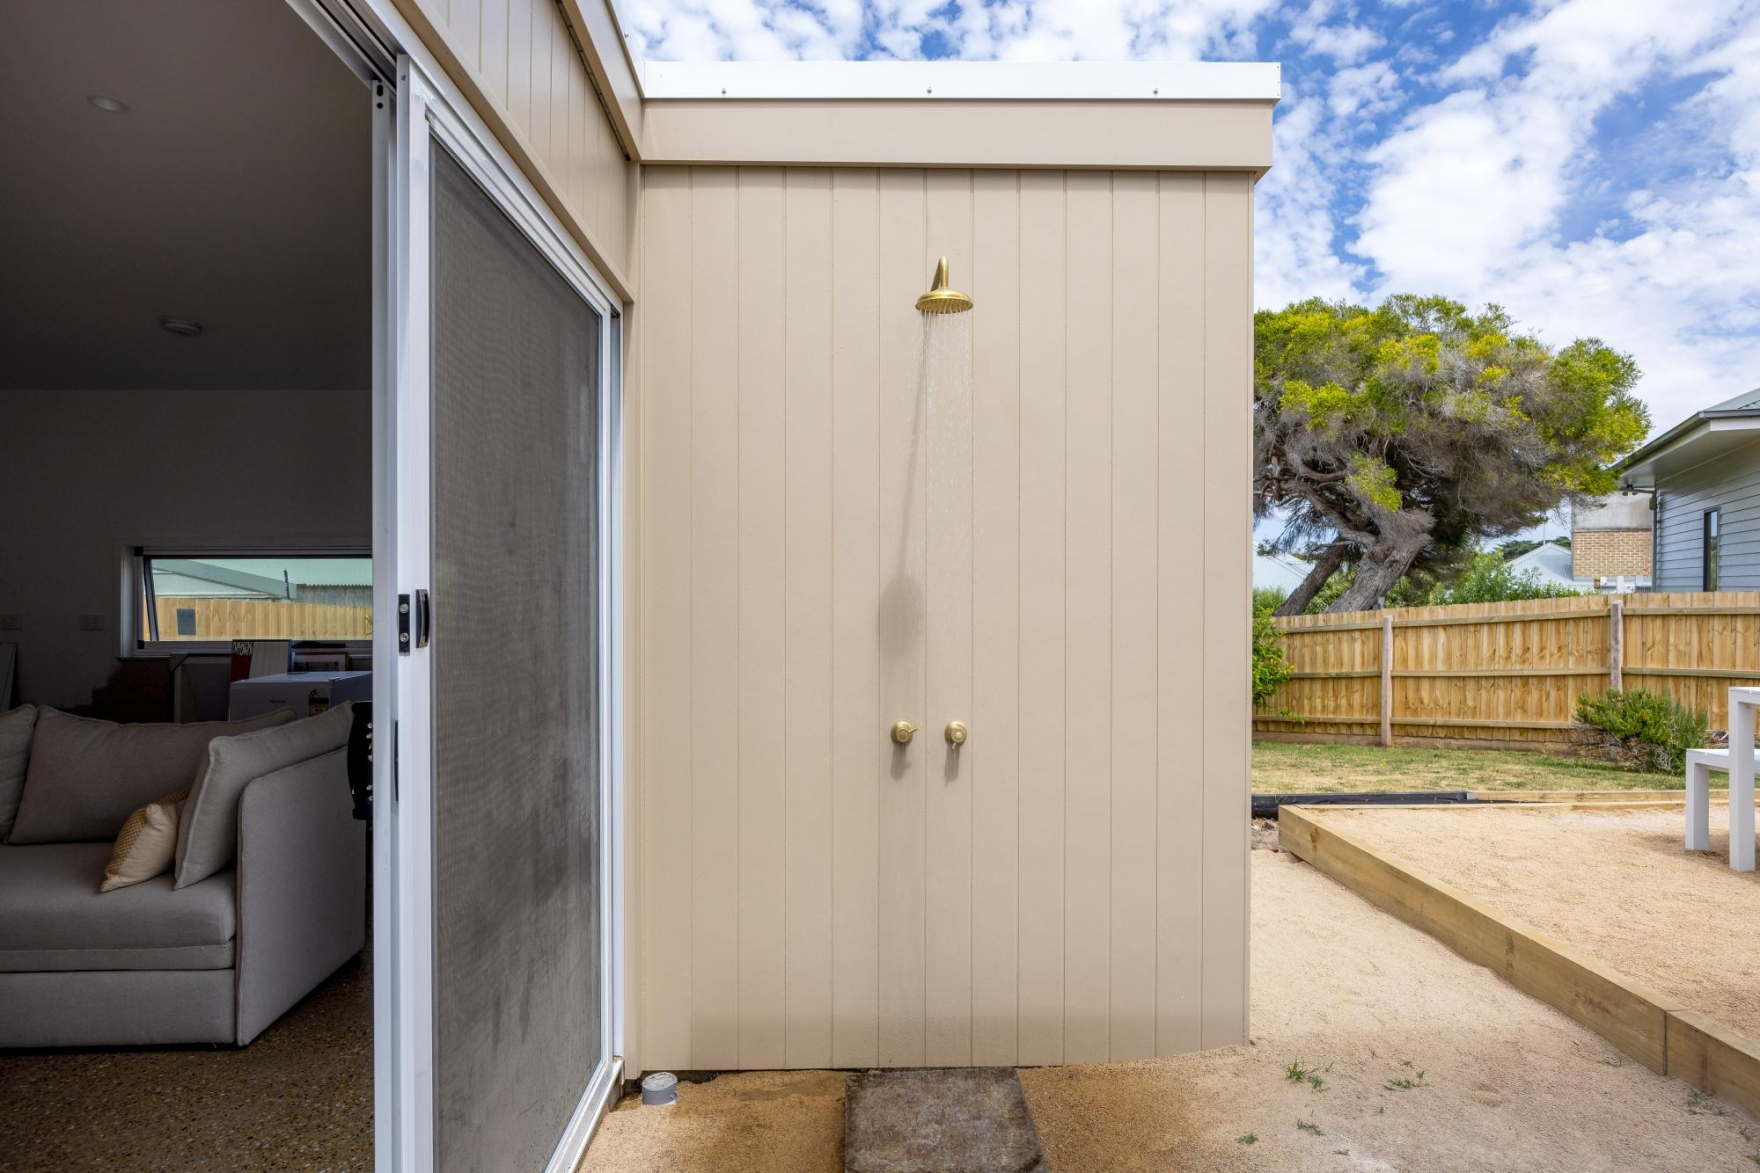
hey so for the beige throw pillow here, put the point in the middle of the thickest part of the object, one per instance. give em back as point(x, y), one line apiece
point(86, 776)
point(15, 753)
point(146, 844)
point(208, 837)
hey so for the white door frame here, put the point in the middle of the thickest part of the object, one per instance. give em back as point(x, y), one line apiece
point(426, 114)
point(413, 102)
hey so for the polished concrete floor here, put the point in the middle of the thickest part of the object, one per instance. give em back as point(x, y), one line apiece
point(299, 1097)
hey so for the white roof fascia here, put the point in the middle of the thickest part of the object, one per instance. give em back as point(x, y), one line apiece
point(1167, 81)
point(1644, 471)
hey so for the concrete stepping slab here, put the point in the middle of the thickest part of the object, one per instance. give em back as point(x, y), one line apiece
point(939, 1120)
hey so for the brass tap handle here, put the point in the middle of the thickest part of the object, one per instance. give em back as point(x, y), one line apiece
point(903, 731)
point(956, 733)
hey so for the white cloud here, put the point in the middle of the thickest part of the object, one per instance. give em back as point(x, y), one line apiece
point(1492, 189)
point(1294, 227)
point(1021, 30)
point(749, 30)
point(1342, 41)
point(1469, 193)
point(1363, 90)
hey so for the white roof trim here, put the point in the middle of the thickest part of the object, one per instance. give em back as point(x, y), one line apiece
point(970, 80)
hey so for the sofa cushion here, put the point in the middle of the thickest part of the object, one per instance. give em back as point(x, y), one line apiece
point(52, 916)
point(15, 752)
point(85, 776)
point(146, 845)
point(207, 837)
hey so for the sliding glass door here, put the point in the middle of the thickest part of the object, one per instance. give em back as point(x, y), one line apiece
point(505, 430)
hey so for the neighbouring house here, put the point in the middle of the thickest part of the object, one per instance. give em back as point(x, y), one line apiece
point(1550, 564)
point(1703, 479)
point(1610, 543)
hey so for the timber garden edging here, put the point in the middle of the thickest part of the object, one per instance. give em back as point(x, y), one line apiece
point(1666, 1037)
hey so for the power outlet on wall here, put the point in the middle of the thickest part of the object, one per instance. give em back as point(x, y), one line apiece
point(11, 622)
point(91, 623)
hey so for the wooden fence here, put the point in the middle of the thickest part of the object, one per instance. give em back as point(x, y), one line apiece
point(1505, 674)
point(223, 619)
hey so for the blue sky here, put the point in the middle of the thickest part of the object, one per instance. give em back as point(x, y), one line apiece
point(1592, 165)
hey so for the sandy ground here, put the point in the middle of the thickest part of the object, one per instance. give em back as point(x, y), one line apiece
point(1617, 884)
point(1426, 1062)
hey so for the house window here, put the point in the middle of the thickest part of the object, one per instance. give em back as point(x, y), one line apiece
point(1713, 542)
point(190, 598)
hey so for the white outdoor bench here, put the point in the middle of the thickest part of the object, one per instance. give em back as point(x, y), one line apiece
point(1700, 763)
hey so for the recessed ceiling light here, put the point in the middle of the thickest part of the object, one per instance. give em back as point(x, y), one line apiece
point(180, 326)
point(107, 104)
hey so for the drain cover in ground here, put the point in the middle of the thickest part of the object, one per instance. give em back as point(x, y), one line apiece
point(947, 1120)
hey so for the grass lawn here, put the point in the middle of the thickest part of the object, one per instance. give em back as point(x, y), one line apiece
point(1282, 768)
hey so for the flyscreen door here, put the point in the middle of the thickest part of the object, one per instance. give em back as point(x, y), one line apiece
point(517, 820)
point(502, 713)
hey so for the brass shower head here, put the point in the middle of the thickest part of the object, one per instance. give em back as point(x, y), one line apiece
point(940, 299)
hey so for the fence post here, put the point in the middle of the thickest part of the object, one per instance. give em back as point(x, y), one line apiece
point(1386, 679)
point(1616, 642)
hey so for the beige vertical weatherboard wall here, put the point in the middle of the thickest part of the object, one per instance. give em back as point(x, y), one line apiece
point(518, 63)
point(1078, 893)
point(1073, 888)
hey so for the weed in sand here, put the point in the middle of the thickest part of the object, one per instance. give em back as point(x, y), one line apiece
point(1701, 1104)
point(1407, 1084)
point(1296, 1073)
point(1315, 1082)
point(1249, 1138)
point(1310, 1127)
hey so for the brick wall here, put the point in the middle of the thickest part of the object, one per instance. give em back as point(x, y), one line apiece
point(1610, 553)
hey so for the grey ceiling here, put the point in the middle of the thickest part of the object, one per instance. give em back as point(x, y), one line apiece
point(236, 190)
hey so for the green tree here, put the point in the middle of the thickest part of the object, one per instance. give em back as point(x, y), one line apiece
point(1414, 590)
point(1399, 439)
point(1487, 578)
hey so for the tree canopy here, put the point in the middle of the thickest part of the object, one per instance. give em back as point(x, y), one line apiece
point(1400, 438)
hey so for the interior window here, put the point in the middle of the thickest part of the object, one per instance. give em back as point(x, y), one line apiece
point(211, 597)
point(1713, 540)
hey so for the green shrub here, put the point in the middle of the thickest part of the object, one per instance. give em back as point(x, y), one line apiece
point(1487, 578)
point(1270, 665)
point(1656, 729)
point(1268, 599)
point(1484, 578)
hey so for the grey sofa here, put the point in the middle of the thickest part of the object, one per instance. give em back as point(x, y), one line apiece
point(214, 962)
